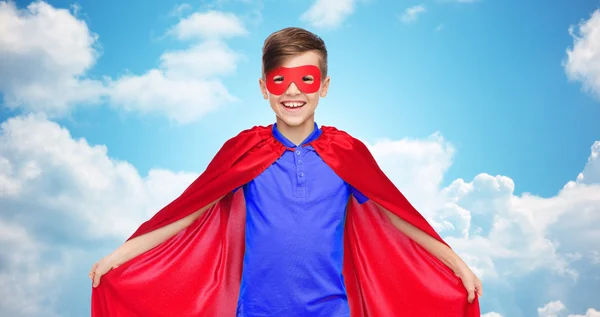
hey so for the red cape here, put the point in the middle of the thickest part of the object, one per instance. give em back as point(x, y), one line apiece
point(198, 271)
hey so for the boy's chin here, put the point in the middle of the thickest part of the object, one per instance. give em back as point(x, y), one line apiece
point(295, 122)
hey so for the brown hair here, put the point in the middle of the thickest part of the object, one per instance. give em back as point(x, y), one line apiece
point(288, 42)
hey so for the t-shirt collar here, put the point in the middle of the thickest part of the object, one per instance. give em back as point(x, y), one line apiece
point(316, 132)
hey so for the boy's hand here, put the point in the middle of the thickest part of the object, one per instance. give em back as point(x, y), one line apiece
point(100, 268)
point(470, 281)
point(141, 244)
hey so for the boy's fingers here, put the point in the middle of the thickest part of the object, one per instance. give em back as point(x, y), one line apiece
point(96, 280)
point(98, 274)
point(92, 271)
point(471, 293)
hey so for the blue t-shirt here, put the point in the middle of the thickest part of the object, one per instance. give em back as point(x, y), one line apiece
point(295, 215)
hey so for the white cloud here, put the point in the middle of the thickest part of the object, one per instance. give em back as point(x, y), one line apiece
point(591, 172)
point(182, 100)
point(328, 14)
point(186, 85)
point(551, 309)
point(209, 25)
point(416, 166)
point(499, 234)
point(71, 178)
point(491, 314)
point(583, 59)
point(411, 14)
point(204, 60)
point(179, 9)
point(595, 257)
point(45, 52)
point(48, 52)
point(589, 313)
point(66, 197)
point(20, 294)
point(504, 237)
point(557, 309)
point(515, 235)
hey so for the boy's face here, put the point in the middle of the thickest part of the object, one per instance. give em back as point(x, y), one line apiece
point(295, 104)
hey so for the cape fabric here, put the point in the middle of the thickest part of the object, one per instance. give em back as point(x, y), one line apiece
point(198, 271)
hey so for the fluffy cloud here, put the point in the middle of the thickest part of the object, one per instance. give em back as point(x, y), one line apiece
point(500, 233)
point(553, 309)
point(22, 276)
point(59, 198)
point(591, 172)
point(412, 13)
point(187, 84)
point(47, 52)
point(504, 237)
point(101, 198)
point(583, 59)
point(210, 24)
point(417, 167)
point(328, 14)
point(182, 100)
point(180, 9)
point(492, 314)
point(557, 308)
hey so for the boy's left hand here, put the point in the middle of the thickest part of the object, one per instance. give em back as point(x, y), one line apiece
point(470, 281)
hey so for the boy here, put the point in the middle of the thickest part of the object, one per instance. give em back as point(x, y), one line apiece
point(317, 229)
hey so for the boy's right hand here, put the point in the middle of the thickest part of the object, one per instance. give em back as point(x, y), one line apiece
point(100, 268)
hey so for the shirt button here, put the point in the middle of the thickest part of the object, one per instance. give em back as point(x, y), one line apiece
point(299, 162)
point(297, 152)
point(301, 174)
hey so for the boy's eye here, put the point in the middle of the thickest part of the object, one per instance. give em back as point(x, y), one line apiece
point(308, 78)
point(278, 79)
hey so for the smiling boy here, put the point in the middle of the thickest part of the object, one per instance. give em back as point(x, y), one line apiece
point(317, 229)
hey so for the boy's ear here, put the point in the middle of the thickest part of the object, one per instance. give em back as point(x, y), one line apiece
point(324, 87)
point(263, 88)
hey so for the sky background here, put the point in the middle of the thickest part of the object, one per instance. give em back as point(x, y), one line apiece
point(486, 114)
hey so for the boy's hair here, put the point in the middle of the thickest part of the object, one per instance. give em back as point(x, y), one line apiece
point(292, 41)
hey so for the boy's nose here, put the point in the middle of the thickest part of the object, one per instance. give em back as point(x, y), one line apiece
point(292, 89)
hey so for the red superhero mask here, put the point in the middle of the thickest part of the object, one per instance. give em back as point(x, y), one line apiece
point(307, 78)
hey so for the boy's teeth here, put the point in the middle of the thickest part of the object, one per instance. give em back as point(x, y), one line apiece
point(293, 104)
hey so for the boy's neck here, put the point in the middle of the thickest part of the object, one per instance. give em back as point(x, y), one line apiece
point(296, 134)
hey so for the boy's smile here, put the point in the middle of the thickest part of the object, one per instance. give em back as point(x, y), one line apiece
point(293, 105)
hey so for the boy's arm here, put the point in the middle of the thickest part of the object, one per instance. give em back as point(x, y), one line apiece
point(440, 251)
point(143, 243)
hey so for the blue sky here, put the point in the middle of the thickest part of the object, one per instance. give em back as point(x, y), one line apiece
point(483, 112)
